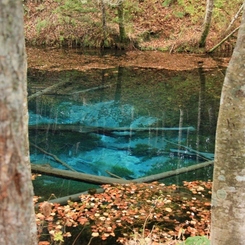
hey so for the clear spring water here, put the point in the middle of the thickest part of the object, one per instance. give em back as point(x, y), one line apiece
point(126, 121)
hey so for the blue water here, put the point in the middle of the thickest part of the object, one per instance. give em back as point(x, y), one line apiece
point(148, 99)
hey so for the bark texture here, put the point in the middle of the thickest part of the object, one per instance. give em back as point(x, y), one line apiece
point(122, 31)
point(17, 224)
point(207, 23)
point(228, 198)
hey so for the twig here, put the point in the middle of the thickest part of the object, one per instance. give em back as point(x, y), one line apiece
point(54, 156)
point(74, 242)
point(114, 175)
point(90, 241)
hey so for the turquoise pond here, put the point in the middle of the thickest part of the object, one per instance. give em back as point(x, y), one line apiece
point(128, 121)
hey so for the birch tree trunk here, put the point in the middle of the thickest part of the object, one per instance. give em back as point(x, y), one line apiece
point(228, 198)
point(17, 218)
point(207, 23)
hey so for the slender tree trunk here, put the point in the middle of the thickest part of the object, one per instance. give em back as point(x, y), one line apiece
point(207, 23)
point(122, 32)
point(228, 198)
point(17, 224)
point(104, 26)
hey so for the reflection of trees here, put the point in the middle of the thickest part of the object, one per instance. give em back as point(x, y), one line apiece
point(150, 93)
point(118, 91)
point(201, 102)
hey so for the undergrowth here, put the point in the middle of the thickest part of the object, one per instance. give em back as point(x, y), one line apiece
point(149, 25)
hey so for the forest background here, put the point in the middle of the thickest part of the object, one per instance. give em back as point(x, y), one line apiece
point(165, 25)
point(67, 24)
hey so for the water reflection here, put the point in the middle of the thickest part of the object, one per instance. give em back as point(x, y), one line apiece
point(126, 121)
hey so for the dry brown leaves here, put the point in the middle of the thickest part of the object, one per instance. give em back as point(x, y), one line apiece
point(162, 212)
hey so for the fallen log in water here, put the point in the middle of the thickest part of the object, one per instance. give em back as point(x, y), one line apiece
point(94, 179)
point(107, 180)
point(173, 172)
point(54, 156)
point(88, 178)
point(73, 197)
point(191, 152)
point(47, 90)
point(89, 129)
point(91, 89)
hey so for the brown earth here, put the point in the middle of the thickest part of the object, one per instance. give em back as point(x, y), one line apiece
point(157, 26)
point(57, 60)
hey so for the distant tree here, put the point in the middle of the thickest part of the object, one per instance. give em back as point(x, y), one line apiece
point(119, 4)
point(207, 23)
point(122, 31)
point(104, 24)
point(17, 217)
point(228, 195)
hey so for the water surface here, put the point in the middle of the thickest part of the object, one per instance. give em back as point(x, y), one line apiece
point(128, 121)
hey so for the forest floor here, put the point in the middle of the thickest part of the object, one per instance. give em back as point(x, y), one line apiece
point(131, 214)
point(57, 60)
point(153, 24)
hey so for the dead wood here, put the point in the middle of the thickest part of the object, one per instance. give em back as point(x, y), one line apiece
point(223, 40)
point(113, 175)
point(47, 90)
point(88, 178)
point(91, 89)
point(74, 197)
point(106, 180)
point(189, 151)
point(160, 176)
point(54, 156)
point(89, 129)
point(94, 179)
point(233, 20)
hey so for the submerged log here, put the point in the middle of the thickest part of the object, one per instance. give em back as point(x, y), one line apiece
point(91, 89)
point(54, 156)
point(94, 179)
point(47, 90)
point(106, 180)
point(190, 152)
point(73, 197)
point(90, 129)
point(160, 176)
point(88, 178)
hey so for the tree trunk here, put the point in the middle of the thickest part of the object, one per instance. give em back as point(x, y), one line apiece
point(90, 129)
point(17, 224)
point(207, 23)
point(122, 32)
point(94, 179)
point(88, 178)
point(228, 198)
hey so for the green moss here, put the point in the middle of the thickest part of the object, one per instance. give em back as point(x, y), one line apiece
point(121, 171)
point(144, 150)
point(197, 240)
